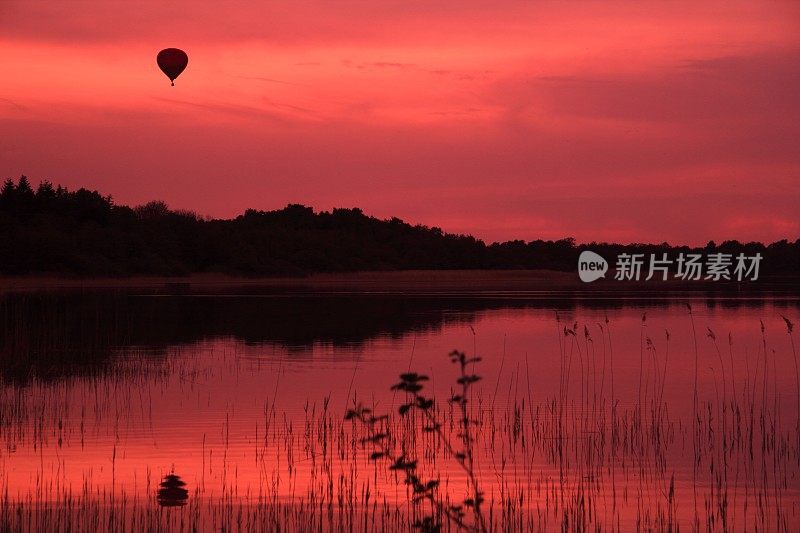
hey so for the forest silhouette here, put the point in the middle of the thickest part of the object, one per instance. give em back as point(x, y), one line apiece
point(51, 230)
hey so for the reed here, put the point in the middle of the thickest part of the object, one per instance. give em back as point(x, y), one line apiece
point(588, 457)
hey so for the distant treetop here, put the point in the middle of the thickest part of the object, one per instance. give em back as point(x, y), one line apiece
point(55, 231)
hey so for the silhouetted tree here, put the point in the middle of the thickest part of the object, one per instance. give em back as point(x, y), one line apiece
point(82, 232)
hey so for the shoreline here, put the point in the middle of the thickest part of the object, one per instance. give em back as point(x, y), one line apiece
point(409, 282)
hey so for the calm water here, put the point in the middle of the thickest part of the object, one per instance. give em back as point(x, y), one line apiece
point(243, 397)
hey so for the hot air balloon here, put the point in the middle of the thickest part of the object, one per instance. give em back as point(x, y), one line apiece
point(172, 62)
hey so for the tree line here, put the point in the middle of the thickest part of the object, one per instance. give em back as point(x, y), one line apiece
point(51, 230)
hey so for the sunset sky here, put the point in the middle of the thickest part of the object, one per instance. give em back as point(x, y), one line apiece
point(645, 121)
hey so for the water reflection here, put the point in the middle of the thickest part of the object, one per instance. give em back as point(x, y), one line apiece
point(658, 429)
point(52, 335)
point(172, 492)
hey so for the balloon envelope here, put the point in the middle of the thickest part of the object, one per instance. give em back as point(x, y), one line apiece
point(172, 62)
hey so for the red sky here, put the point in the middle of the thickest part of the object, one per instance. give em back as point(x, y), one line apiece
point(643, 121)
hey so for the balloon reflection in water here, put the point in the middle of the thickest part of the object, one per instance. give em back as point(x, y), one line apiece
point(172, 492)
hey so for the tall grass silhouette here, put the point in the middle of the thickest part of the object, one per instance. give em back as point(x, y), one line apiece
point(412, 384)
point(591, 456)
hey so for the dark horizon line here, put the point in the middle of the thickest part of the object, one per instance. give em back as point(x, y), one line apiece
point(208, 218)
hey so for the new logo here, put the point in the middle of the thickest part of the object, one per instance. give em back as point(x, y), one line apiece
point(591, 266)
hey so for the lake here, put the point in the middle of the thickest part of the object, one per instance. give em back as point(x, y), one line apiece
point(136, 410)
